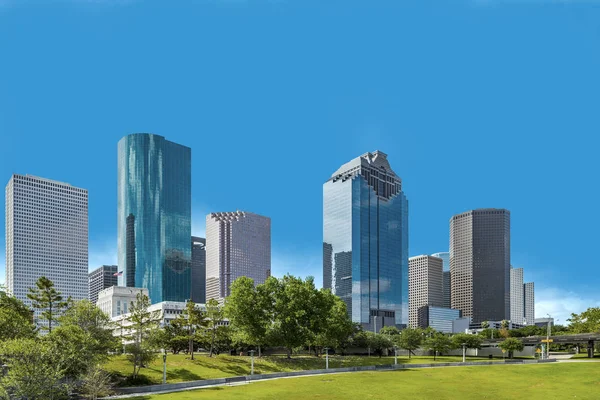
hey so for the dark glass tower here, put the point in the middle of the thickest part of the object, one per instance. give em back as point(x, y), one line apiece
point(154, 216)
point(365, 241)
point(198, 270)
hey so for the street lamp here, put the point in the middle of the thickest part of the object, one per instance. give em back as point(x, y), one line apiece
point(548, 338)
point(375, 324)
point(395, 355)
point(326, 350)
point(164, 366)
point(251, 362)
point(464, 346)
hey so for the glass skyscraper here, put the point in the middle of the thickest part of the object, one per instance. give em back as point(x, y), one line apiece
point(154, 216)
point(365, 241)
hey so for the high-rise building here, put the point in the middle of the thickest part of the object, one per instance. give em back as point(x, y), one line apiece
point(517, 300)
point(99, 279)
point(445, 256)
point(237, 244)
point(46, 235)
point(365, 241)
point(117, 300)
point(480, 264)
point(425, 280)
point(198, 270)
point(529, 303)
point(154, 216)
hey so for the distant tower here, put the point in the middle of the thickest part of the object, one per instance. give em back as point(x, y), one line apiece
point(425, 285)
point(445, 256)
point(480, 264)
point(100, 279)
point(46, 235)
point(529, 303)
point(198, 270)
point(154, 216)
point(517, 299)
point(365, 241)
point(237, 244)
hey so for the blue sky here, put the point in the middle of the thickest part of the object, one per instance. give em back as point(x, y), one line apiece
point(478, 103)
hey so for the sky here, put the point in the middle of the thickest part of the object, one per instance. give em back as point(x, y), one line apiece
point(478, 103)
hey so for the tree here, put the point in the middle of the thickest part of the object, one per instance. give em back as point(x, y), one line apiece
point(95, 384)
point(378, 342)
point(32, 373)
point(331, 325)
point(466, 340)
point(390, 331)
point(14, 326)
point(45, 297)
point(485, 325)
point(143, 324)
point(248, 312)
point(173, 337)
point(586, 322)
point(511, 344)
point(191, 320)
point(214, 313)
point(9, 302)
point(410, 339)
point(438, 343)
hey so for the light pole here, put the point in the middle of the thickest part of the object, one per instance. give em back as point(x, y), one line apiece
point(251, 362)
point(548, 338)
point(164, 366)
point(326, 350)
point(395, 355)
point(375, 324)
point(464, 346)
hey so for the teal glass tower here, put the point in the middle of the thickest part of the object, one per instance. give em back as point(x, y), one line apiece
point(154, 216)
point(365, 241)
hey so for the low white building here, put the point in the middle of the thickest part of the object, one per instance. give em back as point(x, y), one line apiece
point(116, 300)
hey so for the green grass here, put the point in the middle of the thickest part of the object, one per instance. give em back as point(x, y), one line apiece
point(180, 368)
point(502, 382)
point(585, 356)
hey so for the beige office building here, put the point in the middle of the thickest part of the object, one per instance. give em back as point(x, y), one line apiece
point(425, 285)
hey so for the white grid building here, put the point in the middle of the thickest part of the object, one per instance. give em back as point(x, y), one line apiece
point(529, 295)
point(517, 300)
point(237, 244)
point(46, 235)
point(116, 300)
point(425, 285)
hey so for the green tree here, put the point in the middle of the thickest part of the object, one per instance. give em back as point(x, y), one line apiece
point(469, 341)
point(585, 322)
point(438, 343)
point(248, 310)
point(143, 325)
point(14, 326)
point(390, 331)
point(511, 344)
point(9, 302)
point(378, 342)
point(95, 384)
point(214, 313)
point(410, 339)
point(173, 337)
point(331, 325)
point(45, 297)
point(32, 373)
point(485, 325)
point(191, 320)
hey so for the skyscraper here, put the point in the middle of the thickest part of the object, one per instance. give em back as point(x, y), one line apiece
point(198, 269)
point(237, 244)
point(99, 279)
point(445, 256)
point(529, 304)
point(480, 264)
point(46, 235)
point(425, 285)
point(154, 216)
point(517, 300)
point(365, 241)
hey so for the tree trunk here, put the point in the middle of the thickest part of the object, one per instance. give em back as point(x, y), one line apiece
point(212, 342)
point(50, 319)
point(289, 353)
point(191, 346)
point(259, 354)
point(434, 354)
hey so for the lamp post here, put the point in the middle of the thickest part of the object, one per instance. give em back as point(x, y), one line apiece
point(395, 355)
point(164, 366)
point(251, 362)
point(375, 324)
point(326, 350)
point(548, 338)
point(464, 346)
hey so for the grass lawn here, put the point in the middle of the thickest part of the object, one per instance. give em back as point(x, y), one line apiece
point(531, 382)
point(585, 356)
point(180, 368)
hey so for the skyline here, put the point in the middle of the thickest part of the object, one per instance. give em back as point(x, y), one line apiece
point(478, 117)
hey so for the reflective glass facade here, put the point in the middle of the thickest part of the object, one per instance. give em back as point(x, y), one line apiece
point(365, 241)
point(438, 318)
point(154, 216)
